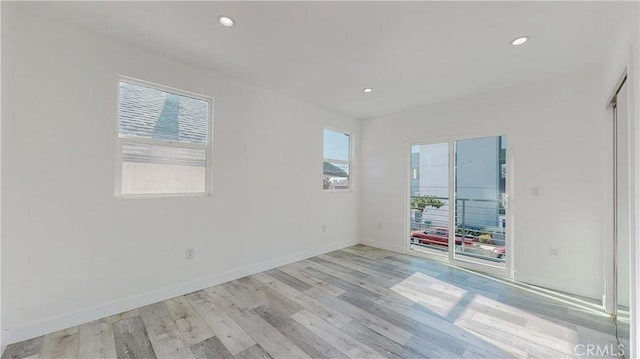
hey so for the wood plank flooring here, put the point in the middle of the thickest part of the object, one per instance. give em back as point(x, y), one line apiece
point(359, 302)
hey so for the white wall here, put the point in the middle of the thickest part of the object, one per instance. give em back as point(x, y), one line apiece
point(71, 252)
point(624, 53)
point(555, 136)
point(1, 330)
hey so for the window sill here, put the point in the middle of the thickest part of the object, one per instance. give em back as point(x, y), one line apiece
point(161, 195)
point(337, 190)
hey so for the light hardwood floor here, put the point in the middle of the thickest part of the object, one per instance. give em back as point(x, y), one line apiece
point(359, 302)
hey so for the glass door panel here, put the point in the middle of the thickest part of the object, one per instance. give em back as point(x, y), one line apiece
point(480, 219)
point(430, 212)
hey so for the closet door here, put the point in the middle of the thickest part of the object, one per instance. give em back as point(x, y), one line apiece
point(622, 215)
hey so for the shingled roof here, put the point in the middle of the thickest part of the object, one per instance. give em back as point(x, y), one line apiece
point(334, 171)
point(150, 113)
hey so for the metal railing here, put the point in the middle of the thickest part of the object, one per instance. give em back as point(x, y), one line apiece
point(480, 222)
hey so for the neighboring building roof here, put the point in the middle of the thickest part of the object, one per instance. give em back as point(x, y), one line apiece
point(150, 113)
point(331, 170)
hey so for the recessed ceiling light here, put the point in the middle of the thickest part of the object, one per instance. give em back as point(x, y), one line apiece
point(367, 90)
point(520, 40)
point(225, 21)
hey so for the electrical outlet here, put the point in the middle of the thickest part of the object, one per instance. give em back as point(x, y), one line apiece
point(324, 228)
point(379, 225)
point(553, 251)
point(188, 253)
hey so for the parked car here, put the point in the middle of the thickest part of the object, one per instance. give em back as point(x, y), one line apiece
point(499, 252)
point(437, 236)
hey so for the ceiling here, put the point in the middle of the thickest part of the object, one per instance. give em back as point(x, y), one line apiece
point(410, 53)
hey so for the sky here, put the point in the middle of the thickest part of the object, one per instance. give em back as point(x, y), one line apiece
point(336, 145)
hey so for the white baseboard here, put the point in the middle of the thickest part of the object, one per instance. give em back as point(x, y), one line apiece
point(398, 248)
point(32, 330)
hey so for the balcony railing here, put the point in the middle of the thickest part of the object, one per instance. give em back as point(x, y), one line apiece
point(481, 222)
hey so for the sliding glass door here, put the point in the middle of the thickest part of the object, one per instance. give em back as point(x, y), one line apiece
point(430, 214)
point(458, 202)
point(480, 200)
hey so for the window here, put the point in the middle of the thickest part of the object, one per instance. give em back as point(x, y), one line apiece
point(337, 160)
point(164, 142)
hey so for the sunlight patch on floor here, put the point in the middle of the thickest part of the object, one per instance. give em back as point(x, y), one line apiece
point(433, 294)
point(519, 332)
point(566, 299)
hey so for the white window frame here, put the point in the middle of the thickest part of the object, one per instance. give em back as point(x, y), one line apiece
point(348, 162)
point(121, 141)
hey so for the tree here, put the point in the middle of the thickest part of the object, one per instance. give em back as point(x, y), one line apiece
point(325, 183)
point(422, 202)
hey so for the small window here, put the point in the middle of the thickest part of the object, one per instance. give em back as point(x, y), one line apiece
point(163, 141)
point(337, 160)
